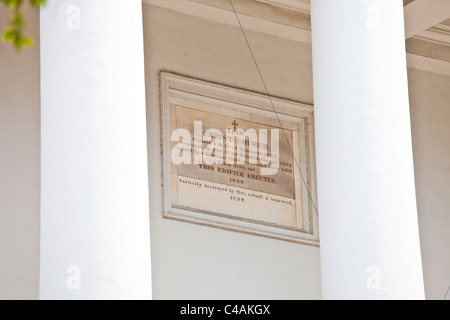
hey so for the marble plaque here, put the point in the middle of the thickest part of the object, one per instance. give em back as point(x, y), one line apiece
point(235, 189)
point(230, 161)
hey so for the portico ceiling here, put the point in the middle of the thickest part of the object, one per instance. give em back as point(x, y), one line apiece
point(427, 23)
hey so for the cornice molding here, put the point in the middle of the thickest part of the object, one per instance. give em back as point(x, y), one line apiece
point(439, 34)
point(303, 6)
point(428, 64)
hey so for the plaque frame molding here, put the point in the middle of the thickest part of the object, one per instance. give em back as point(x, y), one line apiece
point(176, 86)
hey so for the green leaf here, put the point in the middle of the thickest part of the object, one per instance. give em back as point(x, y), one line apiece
point(38, 3)
point(8, 35)
point(17, 20)
point(18, 43)
point(27, 41)
point(13, 4)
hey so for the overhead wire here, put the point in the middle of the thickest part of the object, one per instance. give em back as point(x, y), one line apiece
point(274, 109)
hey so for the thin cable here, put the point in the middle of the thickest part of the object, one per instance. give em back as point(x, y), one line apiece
point(273, 107)
point(446, 293)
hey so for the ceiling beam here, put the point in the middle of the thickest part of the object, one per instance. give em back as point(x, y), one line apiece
point(423, 14)
point(428, 64)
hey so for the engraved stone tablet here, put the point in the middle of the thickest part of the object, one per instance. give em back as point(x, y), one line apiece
point(231, 161)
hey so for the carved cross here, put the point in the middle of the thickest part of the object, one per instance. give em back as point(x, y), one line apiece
point(234, 124)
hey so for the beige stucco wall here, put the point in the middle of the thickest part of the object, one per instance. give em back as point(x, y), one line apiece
point(19, 166)
point(430, 118)
point(193, 261)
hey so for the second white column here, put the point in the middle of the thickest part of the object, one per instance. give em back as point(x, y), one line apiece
point(368, 218)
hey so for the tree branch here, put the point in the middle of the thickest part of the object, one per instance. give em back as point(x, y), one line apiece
point(14, 32)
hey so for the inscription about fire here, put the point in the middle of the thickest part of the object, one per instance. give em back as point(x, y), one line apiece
point(251, 179)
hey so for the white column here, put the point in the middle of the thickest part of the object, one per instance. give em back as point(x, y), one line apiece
point(367, 207)
point(95, 238)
